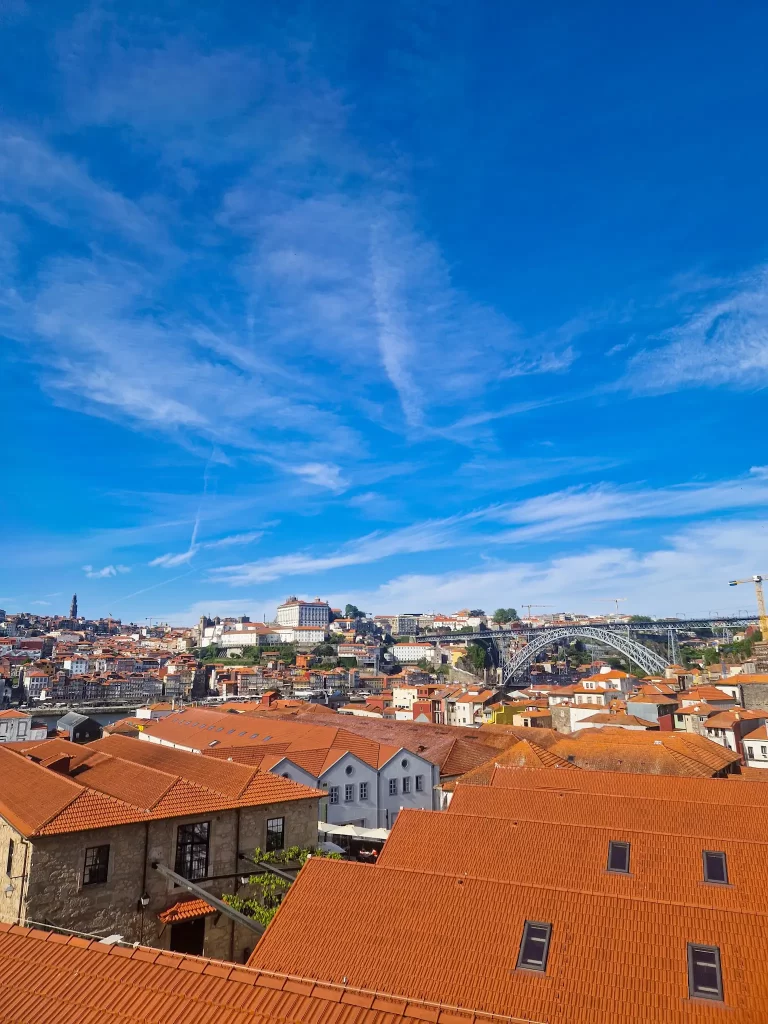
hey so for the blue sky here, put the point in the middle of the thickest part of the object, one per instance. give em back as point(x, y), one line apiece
point(421, 306)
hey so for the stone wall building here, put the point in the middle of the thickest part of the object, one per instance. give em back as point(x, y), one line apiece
point(82, 826)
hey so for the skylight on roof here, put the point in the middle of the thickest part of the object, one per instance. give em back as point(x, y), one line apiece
point(618, 857)
point(534, 946)
point(715, 867)
point(705, 976)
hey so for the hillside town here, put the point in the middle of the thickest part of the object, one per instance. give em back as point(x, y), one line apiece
point(197, 801)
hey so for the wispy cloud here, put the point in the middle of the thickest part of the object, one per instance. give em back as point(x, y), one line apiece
point(572, 511)
point(685, 573)
point(169, 561)
point(106, 572)
point(427, 536)
point(723, 342)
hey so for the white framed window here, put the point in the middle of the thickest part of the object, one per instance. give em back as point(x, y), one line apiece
point(333, 795)
point(407, 784)
point(363, 790)
point(349, 793)
point(393, 787)
point(419, 783)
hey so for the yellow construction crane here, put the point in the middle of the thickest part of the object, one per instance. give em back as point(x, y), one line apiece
point(529, 606)
point(761, 612)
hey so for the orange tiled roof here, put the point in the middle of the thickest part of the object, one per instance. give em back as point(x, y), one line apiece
point(679, 789)
point(574, 856)
point(567, 806)
point(186, 910)
point(619, 719)
point(726, 719)
point(77, 981)
point(622, 750)
point(106, 789)
point(388, 928)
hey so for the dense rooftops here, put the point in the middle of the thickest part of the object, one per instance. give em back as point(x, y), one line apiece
point(462, 939)
point(51, 789)
point(75, 980)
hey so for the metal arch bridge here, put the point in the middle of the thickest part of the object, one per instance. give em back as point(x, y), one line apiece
point(512, 666)
point(657, 626)
point(617, 636)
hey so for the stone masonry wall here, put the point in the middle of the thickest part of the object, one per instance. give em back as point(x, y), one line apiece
point(11, 903)
point(754, 696)
point(561, 718)
point(57, 896)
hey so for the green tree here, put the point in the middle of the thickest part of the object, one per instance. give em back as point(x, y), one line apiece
point(475, 659)
point(271, 888)
point(505, 615)
point(640, 618)
point(351, 611)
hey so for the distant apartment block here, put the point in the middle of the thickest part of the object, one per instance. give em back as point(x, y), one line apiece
point(294, 612)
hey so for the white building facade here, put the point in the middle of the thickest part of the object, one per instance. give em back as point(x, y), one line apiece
point(410, 654)
point(15, 727)
point(756, 749)
point(294, 612)
point(358, 794)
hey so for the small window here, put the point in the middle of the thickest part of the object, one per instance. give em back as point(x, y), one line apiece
point(715, 867)
point(705, 978)
point(419, 783)
point(9, 861)
point(192, 850)
point(363, 790)
point(393, 787)
point(618, 857)
point(404, 762)
point(333, 795)
point(96, 865)
point(764, 751)
point(275, 834)
point(407, 784)
point(534, 947)
point(349, 769)
point(349, 793)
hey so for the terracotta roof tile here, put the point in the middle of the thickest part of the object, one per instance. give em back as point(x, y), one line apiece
point(679, 789)
point(672, 817)
point(574, 856)
point(105, 790)
point(457, 939)
point(59, 980)
point(186, 910)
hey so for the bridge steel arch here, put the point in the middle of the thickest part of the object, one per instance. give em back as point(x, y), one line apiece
point(648, 660)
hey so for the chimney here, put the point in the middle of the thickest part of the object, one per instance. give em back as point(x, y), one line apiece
point(58, 763)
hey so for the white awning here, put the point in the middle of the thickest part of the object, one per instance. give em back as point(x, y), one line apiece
point(356, 831)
